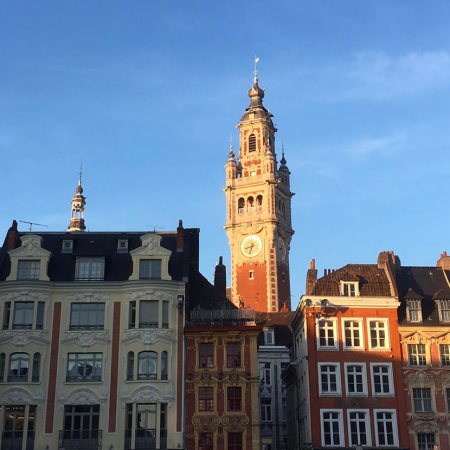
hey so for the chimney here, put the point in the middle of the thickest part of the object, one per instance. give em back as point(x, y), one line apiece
point(180, 236)
point(220, 277)
point(391, 259)
point(444, 261)
point(285, 308)
point(311, 277)
point(11, 236)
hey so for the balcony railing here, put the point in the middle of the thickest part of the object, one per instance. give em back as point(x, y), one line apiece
point(89, 279)
point(80, 439)
point(146, 439)
point(83, 379)
point(12, 440)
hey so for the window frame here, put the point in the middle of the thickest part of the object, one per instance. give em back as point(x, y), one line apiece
point(387, 346)
point(151, 356)
point(268, 333)
point(89, 278)
point(427, 443)
point(365, 392)
point(234, 402)
point(441, 309)
point(207, 398)
point(444, 355)
point(23, 325)
point(150, 261)
point(235, 445)
point(29, 270)
point(418, 355)
point(368, 428)
point(201, 354)
point(422, 399)
point(96, 356)
point(67, 248)
point(333, 321)
point(360, 322)
point(122, 249)
point(338, 392)
point(263, 371)
point(390, 377)
point(267, 408)
point(19, 378)
point(417, 309)
point(349, 284)
point(341, 427)
point(394, 427)
point(236, 358)
point(89, 311)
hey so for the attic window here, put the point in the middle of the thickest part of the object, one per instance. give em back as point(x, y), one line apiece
point(122, 246)
point(269, 338)
point(67, 246)
point(349, 289)
point(414, 311)
point(444, 310)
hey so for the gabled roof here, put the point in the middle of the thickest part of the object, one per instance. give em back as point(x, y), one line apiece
point(413, 295)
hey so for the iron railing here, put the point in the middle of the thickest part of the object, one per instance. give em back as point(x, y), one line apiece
point(80, 439)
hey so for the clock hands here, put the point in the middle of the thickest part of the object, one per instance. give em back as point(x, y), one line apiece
point(250, 247)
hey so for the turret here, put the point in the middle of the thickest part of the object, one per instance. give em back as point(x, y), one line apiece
point(78, 204)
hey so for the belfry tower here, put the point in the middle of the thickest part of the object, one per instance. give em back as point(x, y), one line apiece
point(78, 204)
point(258, 212)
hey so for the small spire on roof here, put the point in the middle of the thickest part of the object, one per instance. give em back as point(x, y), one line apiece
point(256, 69)
point(81, 174)
point(231, 153)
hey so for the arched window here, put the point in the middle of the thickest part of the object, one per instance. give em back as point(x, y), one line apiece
point(241, 205)
point(252, 143)
point(36, 367)
point(130, 366)
point(18, 367)
point(2, 366)
point(148, 366)
point(164, 366)
point(250, 204)
point(259, 201)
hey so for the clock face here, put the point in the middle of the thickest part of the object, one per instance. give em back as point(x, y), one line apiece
point(282, 249)
point(251, 246)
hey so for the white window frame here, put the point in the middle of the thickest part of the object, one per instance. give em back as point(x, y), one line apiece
point(90, 260)
point(268, 333)
point(364, 377)
point(123, 249)
point(441, 354)
point(440, 303)
point(391, 393)
point(427, 354)
point(68, 248)
point(341, 427)
point(394, 427)
point(387, 345)
point(418, 309)
point(368, 429)
point(350, 283)
point(333, 320)
point(422, 400)
point(361, 333)
point(338, 392)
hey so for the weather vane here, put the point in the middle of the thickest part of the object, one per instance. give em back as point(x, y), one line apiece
point(256, 66)
point(81, 173)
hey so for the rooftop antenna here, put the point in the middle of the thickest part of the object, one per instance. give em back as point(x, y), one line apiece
point(155, 227)
point(33, 223)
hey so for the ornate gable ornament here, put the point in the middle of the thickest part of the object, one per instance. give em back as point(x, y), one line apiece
point(86, 338)
point(82, 396)
point(19, 396)
point(149, 336)
point(415, 337)
point(151, 249)
point(24, 337)
point(147, 394)
point(30, 249)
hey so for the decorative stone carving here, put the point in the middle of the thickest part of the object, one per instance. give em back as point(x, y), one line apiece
point(149, 295)
point(254, 228)
point(86, 338)
point(151, 246)
point(233, 423)
point(23, 337)
point(25, 296)
point(149, 336)
point(88, 297)
point(421, 378)
point(169, 390)
point(426, 428)
point(206, 424)
point(19, 396)
point(147, 394)
point(31, 246)
point(40, 391)
point(82, 396)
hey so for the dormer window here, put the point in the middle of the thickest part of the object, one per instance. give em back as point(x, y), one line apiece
point(349, 289)
point(90, 269)
point(444, 310)
point(122, 246)
point(28, 270)
point(150, 269)
point(413, 311)
point(67, 246)
point(269, 337)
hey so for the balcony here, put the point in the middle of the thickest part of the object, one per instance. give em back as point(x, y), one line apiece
point(12, 440)
point(80, 439)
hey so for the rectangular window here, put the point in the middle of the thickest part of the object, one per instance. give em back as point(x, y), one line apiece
point(444, 309)
point(28, 270)
point(349, 289)
point(89, 269)
point(233, 354)
point(150, 269)
point(205, 441)
point(445, 354)
point(148, 313)
point(386, 428)
point(382, 379)
point(206, 399)
point(165, 315)
point(264, 374)
point(6, 315)
point(122, 246)
point(355, 379)
point(417, 354)
point(132, 314)
point(283, 367)
point(378, 334)
point(269, 337)
point(85, 367)
point(332, 428)
point(234, 441)
point(18, 367)
point(330, 379)
point(40, 316)
point(266, 409)
point(353, 334)
point(234, 396)
point(359, 427)
point(422, 400)
point(81, 426)
point(206, 355)
point(87, 316)
point(426, 441)
point(67, 246)
point(23, 315)
point(414, 311)
point(327, 335)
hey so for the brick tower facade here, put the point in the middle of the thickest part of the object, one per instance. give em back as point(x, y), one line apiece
point(258, 212)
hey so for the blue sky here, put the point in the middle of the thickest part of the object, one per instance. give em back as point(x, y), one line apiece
point(146, 94)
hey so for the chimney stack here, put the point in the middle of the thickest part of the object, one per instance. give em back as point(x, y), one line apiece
point(220, 277)
point(311, 277)
point(11, 236)
point(180, 236)
point(444, 261)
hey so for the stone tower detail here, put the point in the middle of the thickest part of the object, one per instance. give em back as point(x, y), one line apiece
point(258, 212)
point(78, 204)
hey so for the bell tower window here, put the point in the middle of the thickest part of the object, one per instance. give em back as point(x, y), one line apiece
point(250, 204)
point(241, 205)
point(252, 143)
point(259, 201)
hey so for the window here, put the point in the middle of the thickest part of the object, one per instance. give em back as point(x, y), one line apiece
point(382, 380)
point(413, 311)
point(264, 374)
point(89, 269)
point(330, 379)
point(67, 246)
point(444, 309)
point(81, 423)
point(259, 202)
point(23, 315)
point(148, 314)
point(355, 379)
point(233, 354)
point(148, 366)
point(165, 315)
point(87, 316)
point(445, 354)
point(2, 366)
point(28, 270)
point(205, 441)
point(132, 315)
point(18, 367)
point(266, 409)
point(122, 246)
point(252, 143)
point(130, 366)
point(234, 397)
point(422, 399)
point(447, 391)
point(349, 289)
point(269, 337)
point(40, 316)
point(234, 441)
point(206, 355)
point(283, 367)
point(36, 367)
point(6, 315)
point(327, 335)
point(353, 334)
point(85, 367)
point(14, 423)
point(417, 354)
point(251, 274)
point(359, 427)
point(379, 334)
point(205, 399)
point(150, 269)
point(241, 205)
point(332, 428)
point(386, 428)
point(426, 441)
point(164, 366)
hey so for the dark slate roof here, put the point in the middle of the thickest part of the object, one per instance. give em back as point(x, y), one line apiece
point(430, 284)
point(373, 281)
point(280, 322)
point(118, 266)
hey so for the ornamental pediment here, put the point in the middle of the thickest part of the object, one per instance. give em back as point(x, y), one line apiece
point(415, 336)
point(147, 394)
point(151, 246)
point(425, 337)
point(21, 396)
point(82, 396)
point(31, 247)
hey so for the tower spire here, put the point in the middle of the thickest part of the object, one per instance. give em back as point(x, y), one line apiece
point(256, 69)
point(78, 204)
